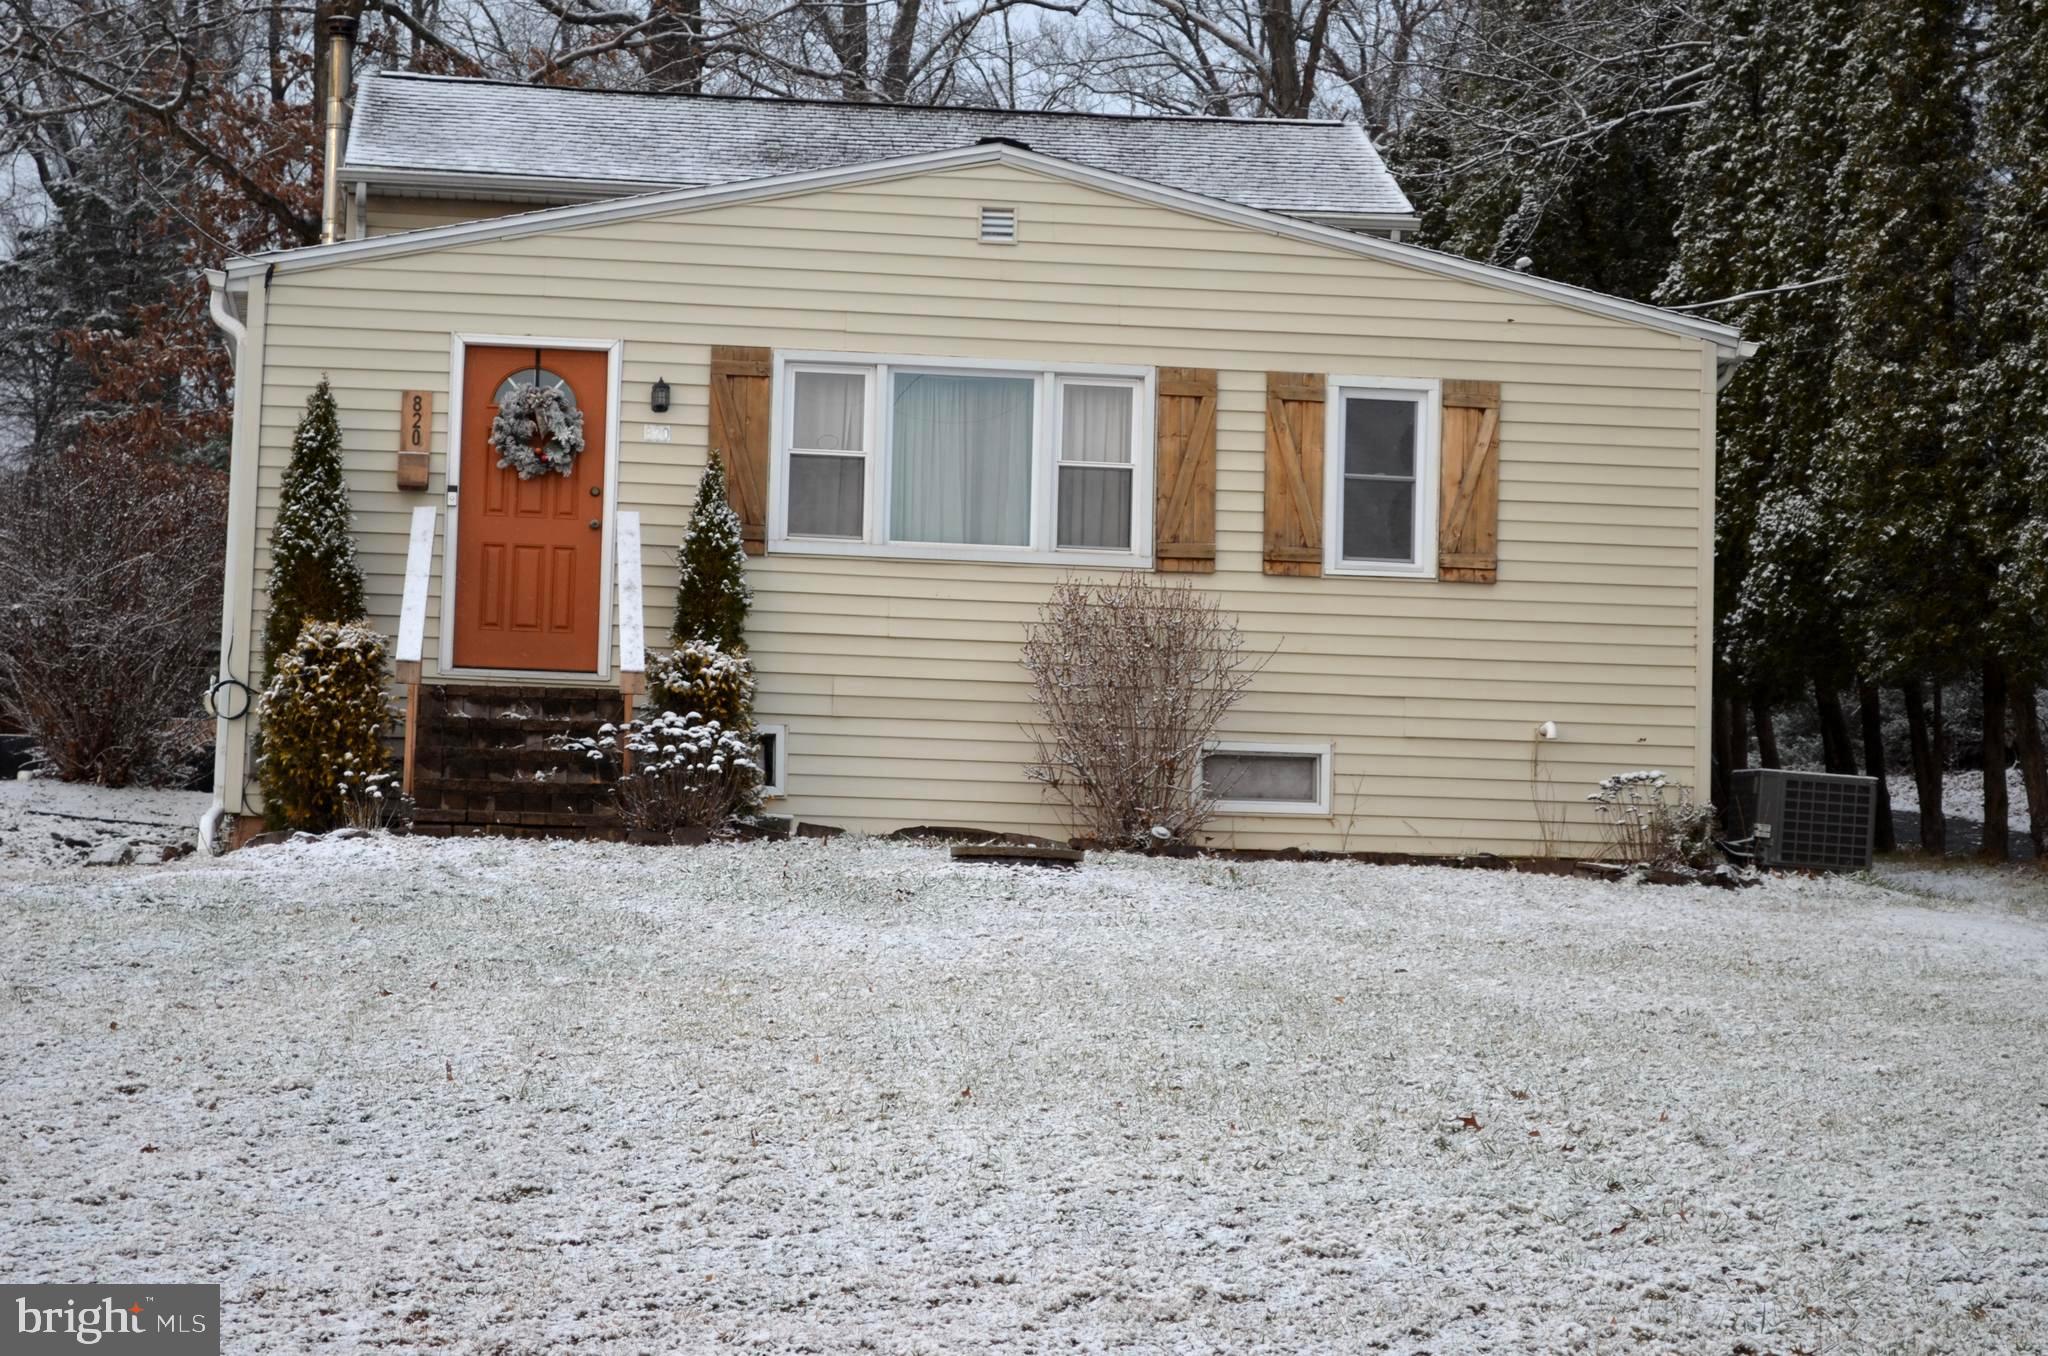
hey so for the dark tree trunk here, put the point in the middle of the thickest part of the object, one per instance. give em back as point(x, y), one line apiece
point(1872, 713)
point(1720, 788)
point(1997, 832)
point(1942, 751)
point(1766, 732)
point(2026, 724)
point(1835, 751)
point(1738, 734)
point(1926, 770)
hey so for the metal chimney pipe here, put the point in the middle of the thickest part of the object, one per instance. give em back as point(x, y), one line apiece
point(341, 41)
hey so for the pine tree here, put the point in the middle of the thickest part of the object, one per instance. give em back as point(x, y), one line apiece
point(712, 593)
point(2003, 413)
point(1726, 207)
point(313, 570)
point(1912, 586)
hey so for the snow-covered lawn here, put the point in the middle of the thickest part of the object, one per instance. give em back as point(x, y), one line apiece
point(1962, 795)
point(823, 1097)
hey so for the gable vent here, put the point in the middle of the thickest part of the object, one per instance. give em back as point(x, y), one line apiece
point(998, 225)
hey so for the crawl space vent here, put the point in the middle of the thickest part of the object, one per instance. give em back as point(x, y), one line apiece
point(1812, 821)
point(998, 225)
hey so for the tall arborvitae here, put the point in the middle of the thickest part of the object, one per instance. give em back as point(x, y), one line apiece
point(1913, 587)
point(712, 593)
point(2003, 416)
point(1724, 218)
point(313, 570)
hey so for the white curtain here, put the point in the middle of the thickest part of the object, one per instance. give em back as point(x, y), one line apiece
point(828, 411)
point(1095, 500)
point(960, 468)
point(825, 493)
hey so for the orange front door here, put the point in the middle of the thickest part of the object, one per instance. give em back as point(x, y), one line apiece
point(529, 553)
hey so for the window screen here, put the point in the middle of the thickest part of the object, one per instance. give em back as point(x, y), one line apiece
point(1379, 478)
point(1286, 778)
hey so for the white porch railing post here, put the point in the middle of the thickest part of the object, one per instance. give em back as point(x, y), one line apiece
point(632, 620)
point(412, 626)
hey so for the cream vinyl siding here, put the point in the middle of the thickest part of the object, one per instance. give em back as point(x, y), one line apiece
point(386, 214)
point(898, 682)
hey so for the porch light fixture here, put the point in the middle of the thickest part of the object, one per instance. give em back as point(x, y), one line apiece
point(657, 399)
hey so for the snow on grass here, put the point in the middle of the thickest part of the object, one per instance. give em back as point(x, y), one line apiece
point(1962, 795)
point(510, 1097)
point(54, 823)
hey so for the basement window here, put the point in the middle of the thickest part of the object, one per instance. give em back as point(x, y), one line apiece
point(1268, 779)
point(773, 742)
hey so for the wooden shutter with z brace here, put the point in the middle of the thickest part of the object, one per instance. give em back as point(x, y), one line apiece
point(1294, 472)
point(740, 395)
point(1184, 520)
point(1468, 532)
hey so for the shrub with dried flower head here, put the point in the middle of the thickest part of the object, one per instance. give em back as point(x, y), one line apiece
point(687, 772)
point(1132, 678)
point(324, 714)
point(372, 796)
point(1649, 820)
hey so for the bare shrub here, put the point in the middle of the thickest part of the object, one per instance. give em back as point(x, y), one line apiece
point(1132, 678)
point(110, 595)
point(1649, 820)
point(686, 773)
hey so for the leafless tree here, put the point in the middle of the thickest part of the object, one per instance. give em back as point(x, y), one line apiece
point(109, 611)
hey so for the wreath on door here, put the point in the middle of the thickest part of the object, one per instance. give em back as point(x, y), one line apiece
point(537, 431)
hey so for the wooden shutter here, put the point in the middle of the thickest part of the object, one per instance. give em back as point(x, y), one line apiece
point(740, 378)
point(1468, 532)
point(1184, 522)
point(1294, 472)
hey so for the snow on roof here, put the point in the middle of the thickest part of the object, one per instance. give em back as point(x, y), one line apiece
point(449, 127)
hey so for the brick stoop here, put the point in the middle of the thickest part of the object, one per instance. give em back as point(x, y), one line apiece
point(483, 762)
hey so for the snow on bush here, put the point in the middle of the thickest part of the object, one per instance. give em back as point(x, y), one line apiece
point(1650, 820)
point(712, 592)
point(1132, 678)
point(323, 721)
point(686, 772)
point(110, 581)
point(698, 676)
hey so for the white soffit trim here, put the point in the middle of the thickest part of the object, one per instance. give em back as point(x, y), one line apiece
point(699, 199)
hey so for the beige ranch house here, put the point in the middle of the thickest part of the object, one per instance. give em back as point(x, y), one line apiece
point(951, 357)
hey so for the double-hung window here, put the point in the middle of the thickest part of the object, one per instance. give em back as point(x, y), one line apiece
point(1381, 497)
point(961, 460)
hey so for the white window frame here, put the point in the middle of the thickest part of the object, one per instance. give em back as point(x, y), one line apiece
point(773, 778)
point(1325, 755)
point(1045, 459)
point(1428, 397)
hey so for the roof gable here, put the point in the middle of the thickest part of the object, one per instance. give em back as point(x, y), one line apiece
point(572, 143)
point(1725, 339)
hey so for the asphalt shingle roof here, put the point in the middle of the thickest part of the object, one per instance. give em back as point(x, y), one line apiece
point(484, 129)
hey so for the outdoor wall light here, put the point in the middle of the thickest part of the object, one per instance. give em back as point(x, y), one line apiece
point(658, 398)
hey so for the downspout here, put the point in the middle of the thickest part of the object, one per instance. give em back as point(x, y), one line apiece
point(238, 335)
point(341, 38)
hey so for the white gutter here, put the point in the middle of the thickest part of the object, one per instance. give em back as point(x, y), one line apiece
point(238, 335)
point(1724, 369)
